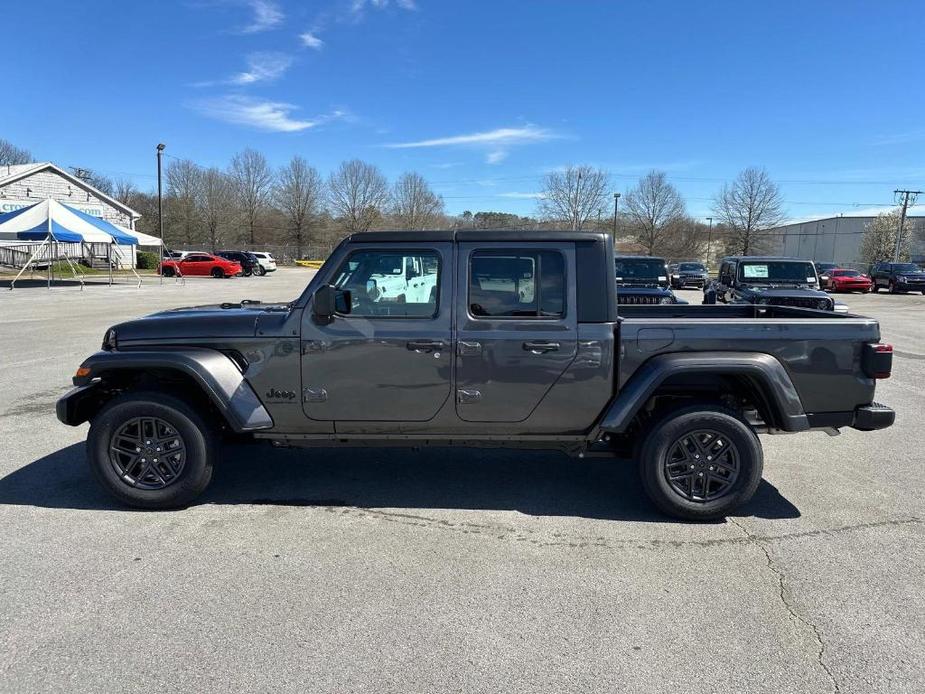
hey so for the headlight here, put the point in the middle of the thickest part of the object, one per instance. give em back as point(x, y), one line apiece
point(666, 300)
point(901, 278)
point(109, 340)
point(761, 300)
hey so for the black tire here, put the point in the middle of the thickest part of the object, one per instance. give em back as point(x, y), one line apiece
point(168, 272)
point(260, 271)
point(875, 288)
point(217, 273)
point(247, 272)
point(678, 426)
point(892, 287)
point(194, 470)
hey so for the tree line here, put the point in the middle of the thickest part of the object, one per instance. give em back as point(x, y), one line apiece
point(251, 203)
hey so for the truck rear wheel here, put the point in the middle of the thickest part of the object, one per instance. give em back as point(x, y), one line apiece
point(700, 462)
point(151, 450)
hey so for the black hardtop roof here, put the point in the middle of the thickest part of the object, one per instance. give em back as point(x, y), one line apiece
point(462, 235)
point(629, 256)
point(765, 258)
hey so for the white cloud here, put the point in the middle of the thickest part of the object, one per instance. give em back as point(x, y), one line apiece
point(273, 116)
point(267, 15)
point(311, 40)
point(263, 67)
point(358, 7)
point(496, 156)
point(521, 196)
point(494, 138)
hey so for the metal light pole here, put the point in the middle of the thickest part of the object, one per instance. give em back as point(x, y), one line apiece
point(709, 239)
point(616, 200)
point(160, 209)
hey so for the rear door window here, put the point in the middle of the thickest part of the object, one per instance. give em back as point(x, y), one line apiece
point(517, 284)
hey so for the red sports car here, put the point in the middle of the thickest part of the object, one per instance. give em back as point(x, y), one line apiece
point(849, 281)
point(201, 264)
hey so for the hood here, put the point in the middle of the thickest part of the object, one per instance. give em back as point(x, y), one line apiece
point(214, 321)
point(794, 290)
point(631, 282)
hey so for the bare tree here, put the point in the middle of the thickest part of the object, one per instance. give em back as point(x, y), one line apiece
point(184, 178)
point(655, 210)
point(358, 191)
point(12, 155)
point(298, 194)
point(215, 201)
point(879, 240)
point(253, 186)
point(573, 195)
point(124, 190)
point(749, 207)
point(414, 204)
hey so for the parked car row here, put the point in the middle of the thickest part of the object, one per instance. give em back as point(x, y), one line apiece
point(220, 264)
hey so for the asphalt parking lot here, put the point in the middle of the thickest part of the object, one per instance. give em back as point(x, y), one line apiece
point(448, 570)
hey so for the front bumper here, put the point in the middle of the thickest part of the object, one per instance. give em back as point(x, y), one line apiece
point(910, 286)
point(74, 407)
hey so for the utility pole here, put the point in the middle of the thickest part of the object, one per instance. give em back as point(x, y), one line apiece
point(906, 195)
point(160, 205)
point(616, 200)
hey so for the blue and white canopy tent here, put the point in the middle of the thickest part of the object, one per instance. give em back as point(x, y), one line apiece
point(50, 223)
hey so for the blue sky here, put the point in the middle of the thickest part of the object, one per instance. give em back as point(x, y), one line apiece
point(483, 98)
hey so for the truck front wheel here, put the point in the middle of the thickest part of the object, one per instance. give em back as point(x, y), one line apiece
point(151, 450)
point(700, 462)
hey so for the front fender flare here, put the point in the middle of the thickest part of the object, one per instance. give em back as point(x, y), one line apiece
point(216, 374)
point(764, 369)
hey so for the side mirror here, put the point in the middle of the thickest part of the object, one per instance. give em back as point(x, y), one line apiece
point(329, 300)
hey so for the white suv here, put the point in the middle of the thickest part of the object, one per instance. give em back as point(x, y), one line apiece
point(265, 261)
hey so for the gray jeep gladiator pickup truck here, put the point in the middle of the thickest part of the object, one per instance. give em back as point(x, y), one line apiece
point(475, 338)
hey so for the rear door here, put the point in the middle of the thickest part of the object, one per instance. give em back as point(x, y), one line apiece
point(516, 326)
point(196, 264)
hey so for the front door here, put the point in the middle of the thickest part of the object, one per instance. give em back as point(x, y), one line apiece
point(516, 327)
point(390, 359)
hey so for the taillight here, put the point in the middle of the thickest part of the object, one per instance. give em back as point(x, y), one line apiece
point(877, 360)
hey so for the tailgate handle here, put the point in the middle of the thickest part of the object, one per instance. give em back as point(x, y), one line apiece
point(541, 347)
point(426, 345)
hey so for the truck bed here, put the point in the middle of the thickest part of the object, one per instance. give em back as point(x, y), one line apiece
point(821, 350)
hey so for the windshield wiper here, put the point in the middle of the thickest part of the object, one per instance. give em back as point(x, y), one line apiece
point(241, 304)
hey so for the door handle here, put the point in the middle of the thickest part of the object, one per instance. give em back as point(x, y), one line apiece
point(541, 347)
point(426, 345)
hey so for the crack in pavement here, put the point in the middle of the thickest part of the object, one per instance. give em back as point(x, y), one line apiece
point(791, 610)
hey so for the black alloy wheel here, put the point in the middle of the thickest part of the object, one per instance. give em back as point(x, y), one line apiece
point(147, 453)
point(702, 465)
point(217, 273)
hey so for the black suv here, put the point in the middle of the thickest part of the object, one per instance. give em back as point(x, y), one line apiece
point(898, 277)
point(248, 261)
point(775, 281)
point(643, 279)
point(689, 274)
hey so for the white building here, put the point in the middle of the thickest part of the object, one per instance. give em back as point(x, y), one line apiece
point(835, 239)
point(22, 185)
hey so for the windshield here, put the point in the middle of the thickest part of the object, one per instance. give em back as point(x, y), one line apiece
point(770, 271)
point(691, 267)
point(905, 267)
point(639, 268)
point(846, 273)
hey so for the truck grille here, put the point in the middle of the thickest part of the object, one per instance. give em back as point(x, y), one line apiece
point(798, 301)
point(636, 299)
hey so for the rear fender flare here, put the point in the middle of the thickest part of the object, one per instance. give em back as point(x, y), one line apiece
point(764, 369)
point(215, 373)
